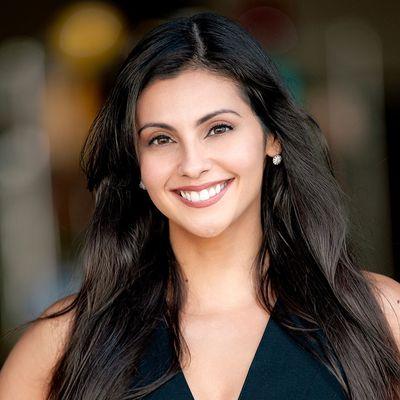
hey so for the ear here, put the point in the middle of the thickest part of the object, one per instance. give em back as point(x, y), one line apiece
point(272, 145)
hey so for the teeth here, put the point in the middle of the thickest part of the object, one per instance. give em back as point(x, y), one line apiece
point(204, 194)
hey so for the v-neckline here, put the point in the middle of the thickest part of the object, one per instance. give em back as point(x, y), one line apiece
point(185, 385)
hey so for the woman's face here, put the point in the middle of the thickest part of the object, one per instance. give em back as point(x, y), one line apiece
point(196, 129)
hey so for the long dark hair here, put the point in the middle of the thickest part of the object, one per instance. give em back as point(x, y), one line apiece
point(131, 277)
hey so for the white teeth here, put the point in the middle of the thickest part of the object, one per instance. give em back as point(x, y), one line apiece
point(204, 194)
point(194, 196)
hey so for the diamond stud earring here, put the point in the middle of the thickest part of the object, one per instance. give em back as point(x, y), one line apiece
point(141, 185)
point(276, 159)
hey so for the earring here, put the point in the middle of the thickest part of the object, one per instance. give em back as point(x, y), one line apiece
point(141, 185)
point(276, 159)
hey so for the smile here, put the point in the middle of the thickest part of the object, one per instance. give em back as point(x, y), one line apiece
point(205, 197)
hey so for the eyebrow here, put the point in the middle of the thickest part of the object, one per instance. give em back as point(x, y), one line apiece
point(198, 122)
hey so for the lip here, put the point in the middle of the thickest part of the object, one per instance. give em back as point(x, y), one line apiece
point(200, 187)
point(210, 201)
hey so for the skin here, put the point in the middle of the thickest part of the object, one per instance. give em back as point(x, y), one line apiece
point(212, 244)
point(221, 321)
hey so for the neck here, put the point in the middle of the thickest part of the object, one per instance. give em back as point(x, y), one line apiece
point(218, 270)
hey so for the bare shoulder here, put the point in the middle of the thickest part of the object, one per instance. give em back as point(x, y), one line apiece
point(387, 291)
point(27, 370)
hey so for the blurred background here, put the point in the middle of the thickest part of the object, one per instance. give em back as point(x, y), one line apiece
point(340, 59)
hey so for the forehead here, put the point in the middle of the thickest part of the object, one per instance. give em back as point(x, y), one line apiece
point(192, 93)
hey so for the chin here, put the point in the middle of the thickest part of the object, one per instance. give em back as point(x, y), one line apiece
point(207, 231)
point(202, 228)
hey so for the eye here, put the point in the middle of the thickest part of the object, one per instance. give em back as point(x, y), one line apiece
point(158, 138)
point(161, 140)
point(220, 129)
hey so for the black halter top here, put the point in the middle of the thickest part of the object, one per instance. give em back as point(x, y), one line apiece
point(280, 370)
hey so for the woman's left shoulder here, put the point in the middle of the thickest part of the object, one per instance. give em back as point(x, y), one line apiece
point(387, 291)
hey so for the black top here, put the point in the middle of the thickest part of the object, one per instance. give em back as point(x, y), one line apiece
point(280, 370)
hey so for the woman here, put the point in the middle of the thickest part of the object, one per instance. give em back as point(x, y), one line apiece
point(217, 261)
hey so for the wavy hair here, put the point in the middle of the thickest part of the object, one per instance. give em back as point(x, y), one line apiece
point(129, 284)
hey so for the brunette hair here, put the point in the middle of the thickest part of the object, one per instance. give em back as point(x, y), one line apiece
point(131, 277)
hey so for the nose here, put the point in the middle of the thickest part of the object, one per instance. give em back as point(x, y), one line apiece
point(193, 161)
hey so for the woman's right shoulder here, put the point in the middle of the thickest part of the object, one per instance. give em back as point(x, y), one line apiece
point(27, 370)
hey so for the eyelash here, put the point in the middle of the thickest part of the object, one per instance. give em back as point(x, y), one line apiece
point(167, 137)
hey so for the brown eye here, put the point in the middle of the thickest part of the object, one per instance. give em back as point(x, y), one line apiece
point(160, 139)
point(220, 129)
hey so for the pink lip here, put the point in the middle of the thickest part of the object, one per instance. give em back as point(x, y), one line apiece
point(205, 203)
point(200, 187)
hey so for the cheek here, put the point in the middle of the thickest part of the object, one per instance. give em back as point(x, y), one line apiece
point(154, 170)
point(247, 154)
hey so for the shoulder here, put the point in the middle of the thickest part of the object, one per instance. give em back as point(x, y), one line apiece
point(387, 292)
point(27, 370)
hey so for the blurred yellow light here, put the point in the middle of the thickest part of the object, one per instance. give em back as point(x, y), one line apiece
point(88, 32)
